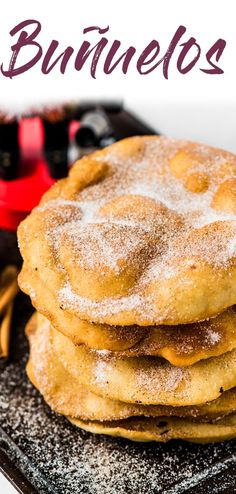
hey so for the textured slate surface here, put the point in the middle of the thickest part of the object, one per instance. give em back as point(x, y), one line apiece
point(58, 458)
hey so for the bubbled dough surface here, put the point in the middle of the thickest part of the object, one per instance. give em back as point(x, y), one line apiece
point(142, 232)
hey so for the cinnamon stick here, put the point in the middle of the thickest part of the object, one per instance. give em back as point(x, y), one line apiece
point(8, 290)
point(5, 327)
point(8, 286)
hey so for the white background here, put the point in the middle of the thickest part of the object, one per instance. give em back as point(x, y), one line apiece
point(134, 23)
point(196, 106)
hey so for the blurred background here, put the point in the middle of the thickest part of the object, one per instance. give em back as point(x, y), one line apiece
point(66, 116)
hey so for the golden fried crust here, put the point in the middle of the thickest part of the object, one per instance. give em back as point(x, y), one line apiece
point(181, 346)
point(163, 429)
point(67, 396)
point(140, 233)
point(146, 380)
point(185, 345)
point(225, 197)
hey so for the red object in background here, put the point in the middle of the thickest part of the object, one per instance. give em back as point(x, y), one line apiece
point(19, 196)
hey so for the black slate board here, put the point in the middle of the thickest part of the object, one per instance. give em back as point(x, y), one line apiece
point(58, 458)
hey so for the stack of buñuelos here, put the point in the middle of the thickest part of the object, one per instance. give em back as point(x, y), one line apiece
point(130, 262)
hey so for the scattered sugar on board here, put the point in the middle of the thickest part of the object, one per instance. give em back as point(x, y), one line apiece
point(69, 461)
point(60, 459)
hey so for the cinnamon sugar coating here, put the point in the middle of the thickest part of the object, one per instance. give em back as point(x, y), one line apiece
point(140, 233)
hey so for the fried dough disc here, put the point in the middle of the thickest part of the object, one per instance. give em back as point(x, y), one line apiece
point(140, 233)
point(146, 380)
point(68, 397)
point(163, 429)
point(181, 346)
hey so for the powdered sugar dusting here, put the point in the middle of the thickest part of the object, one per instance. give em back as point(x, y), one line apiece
point(100, 372)
point(141, 213)
point(72, 300)
point(213, 336)
point(168, 381)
